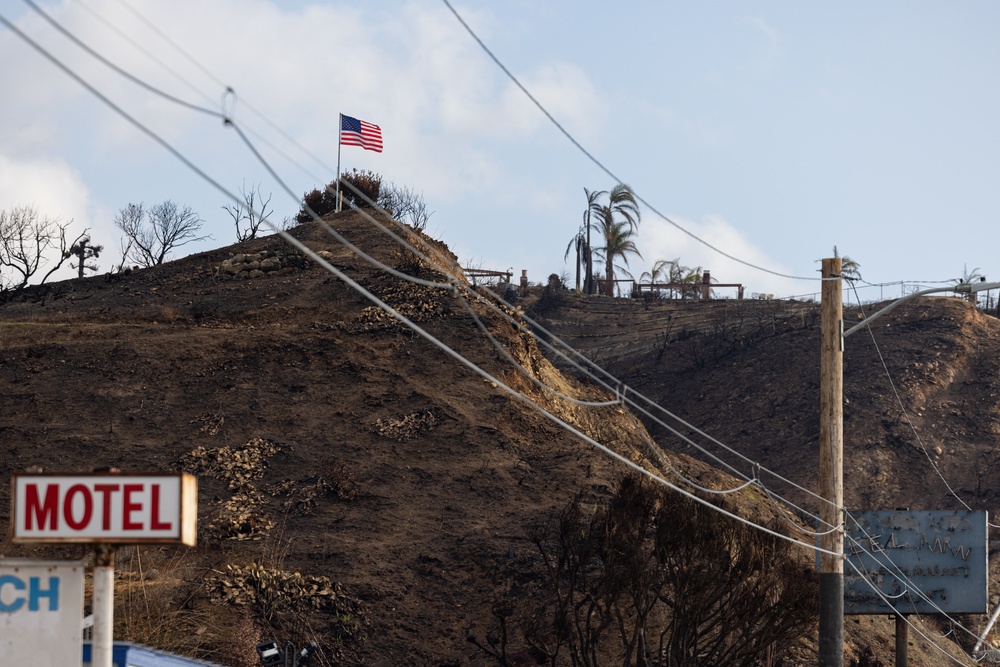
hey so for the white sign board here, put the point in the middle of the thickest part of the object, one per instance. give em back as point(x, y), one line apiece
point(107, 508)
point(41, 613)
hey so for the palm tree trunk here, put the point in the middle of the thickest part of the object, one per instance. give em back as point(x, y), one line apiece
point(578, 259)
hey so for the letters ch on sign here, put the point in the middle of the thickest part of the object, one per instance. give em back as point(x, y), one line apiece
point(15, 592)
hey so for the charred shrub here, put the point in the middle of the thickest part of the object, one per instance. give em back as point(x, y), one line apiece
point(654, 578)
point(357, 187)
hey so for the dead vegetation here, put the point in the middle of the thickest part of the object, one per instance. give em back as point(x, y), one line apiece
point(651, 578)
point(272, 390)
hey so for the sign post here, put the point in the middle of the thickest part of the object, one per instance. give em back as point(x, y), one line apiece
point(104, 605)
point(104, 509)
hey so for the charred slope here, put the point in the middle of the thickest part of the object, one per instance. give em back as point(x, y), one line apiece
point(358, 486)
point(747, 373)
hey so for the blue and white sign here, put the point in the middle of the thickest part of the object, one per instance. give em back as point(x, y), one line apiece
point(916, 562)
point(41, 612)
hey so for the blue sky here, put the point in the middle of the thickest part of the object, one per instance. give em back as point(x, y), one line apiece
point(773, 130)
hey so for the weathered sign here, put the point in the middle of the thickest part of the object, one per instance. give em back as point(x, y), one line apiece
point(916, 562)
point(41, 612)
point(105, 508)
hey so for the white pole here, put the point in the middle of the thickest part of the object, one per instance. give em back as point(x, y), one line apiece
point(340, 130)
point(104, 606)
point(989, 626)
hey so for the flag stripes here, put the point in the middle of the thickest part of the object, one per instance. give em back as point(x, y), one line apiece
point(354, 132)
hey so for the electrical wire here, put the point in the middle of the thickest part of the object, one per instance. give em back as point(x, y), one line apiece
point(906, 414)
point(906, 620)
point(228, 120)
point(134, 79)
point(402, 319)
point(187, 56)
point(454, 286)
point(601, 165)
point(142, 49)
point(524, 371)
point(504, 310)
point(353, 285)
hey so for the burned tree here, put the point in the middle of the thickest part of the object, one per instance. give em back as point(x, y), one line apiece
point(26, 239)
point(654, 578)
point(152, 235)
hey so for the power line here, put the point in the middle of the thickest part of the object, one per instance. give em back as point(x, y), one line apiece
point(600, 165)
point(906, 620)
point(229, 122)
point(222, 85)
point(139, 82)
point(381, 304)
point(142, 49)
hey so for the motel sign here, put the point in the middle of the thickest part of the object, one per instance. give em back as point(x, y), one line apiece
point(107, 508)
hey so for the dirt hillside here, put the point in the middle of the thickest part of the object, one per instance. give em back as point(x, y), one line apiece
point(360, 487)
point(921, 389)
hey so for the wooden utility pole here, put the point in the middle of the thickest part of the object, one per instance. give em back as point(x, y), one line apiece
point(902, 641)
point(831, 467)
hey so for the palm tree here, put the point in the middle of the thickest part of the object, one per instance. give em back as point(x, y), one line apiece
point(692, 276)
point(617, 222)
point(849, 268)
point(581, 243)
point(618, 243)
point(661, 272)
point(592, 207)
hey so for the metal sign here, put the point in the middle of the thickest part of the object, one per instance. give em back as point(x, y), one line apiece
point(107, 508)
point(41, 612)
point(916, 562)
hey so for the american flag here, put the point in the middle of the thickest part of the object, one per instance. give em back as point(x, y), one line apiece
point(354, 132)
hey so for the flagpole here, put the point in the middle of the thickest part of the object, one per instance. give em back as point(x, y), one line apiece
point(340, 130)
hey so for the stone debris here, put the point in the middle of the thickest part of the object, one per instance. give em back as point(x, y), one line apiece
point(408, 427)
point(260, 264)
point(209, 423)
point(241, 518)
point(271, 588)
point(417, 303)
point(238, 467)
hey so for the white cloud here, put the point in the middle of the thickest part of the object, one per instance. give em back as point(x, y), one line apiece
point(455, 128)
point(566, 93)
point(51, 186)
point(661, 240)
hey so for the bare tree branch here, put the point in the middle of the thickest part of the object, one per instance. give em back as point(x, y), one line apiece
point(405, 205)
point(248, 212)
point(152, 235)
point(25, 238)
